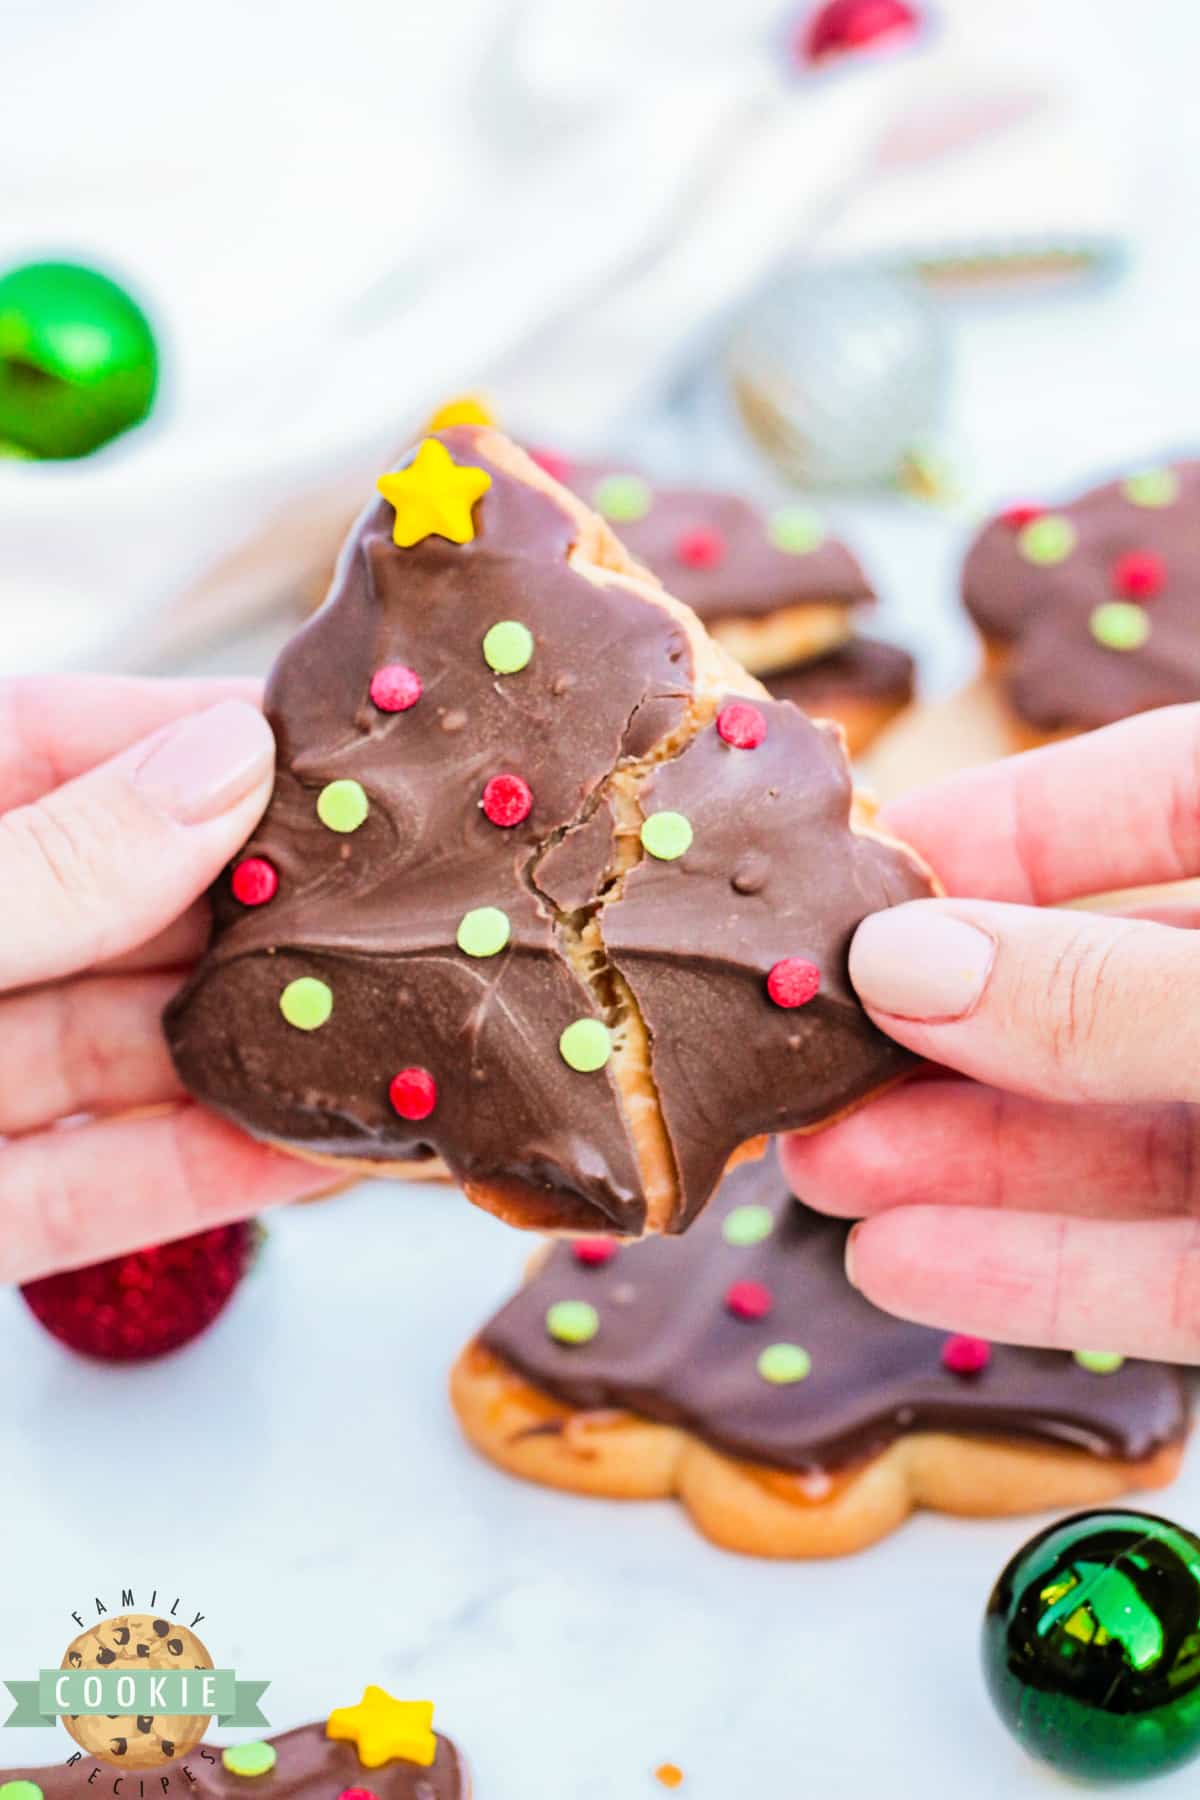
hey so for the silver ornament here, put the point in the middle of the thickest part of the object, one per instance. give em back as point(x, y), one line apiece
point(840, 373)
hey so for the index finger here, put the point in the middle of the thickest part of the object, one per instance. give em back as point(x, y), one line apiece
point(1116, 808)
point(55, 727)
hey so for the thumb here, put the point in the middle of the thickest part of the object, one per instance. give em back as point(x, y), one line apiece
point(1064, 1005)
point(105, 861)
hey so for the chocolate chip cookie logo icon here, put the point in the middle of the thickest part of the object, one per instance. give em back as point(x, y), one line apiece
point(138, 1688)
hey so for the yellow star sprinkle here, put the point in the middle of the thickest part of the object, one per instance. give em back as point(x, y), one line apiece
point(433, 496)
point(464, 409)
point(384, 1730)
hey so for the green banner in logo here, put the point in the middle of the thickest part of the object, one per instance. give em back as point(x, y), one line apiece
point(120, 1692)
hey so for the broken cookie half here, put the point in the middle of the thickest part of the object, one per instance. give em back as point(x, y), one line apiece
point(548, 887)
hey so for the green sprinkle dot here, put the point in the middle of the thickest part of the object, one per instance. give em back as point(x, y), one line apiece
point(585, 1045)
point(1120, 625)
point(508, 646)
point(781, 1363)
point(484, 931)
point(667, 835)
point(306, 1002)
point(797, 529)
point(622, 498)
point(342, 806)
point(20, 1790)
point(1047, 540)
point(249, 1759)
point(572, 1321)
point(1152, 487)
point(1099, 1362)
point(747, 1225)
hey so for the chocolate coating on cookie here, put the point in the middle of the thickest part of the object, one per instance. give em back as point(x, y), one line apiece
point(772, 874)
point(670, 1347)
point(1042, 585)
point(715, 551)
point(425, 979)
point(308, 1766)
point(863, 669)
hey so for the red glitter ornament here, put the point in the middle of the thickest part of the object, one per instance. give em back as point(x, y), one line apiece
point(142, 1305)
point(254, 881)
point(749, 1299)
point(1017, 517)
point(396, 687)
point(741, 725)
point(794, 981)
point(592, 1251)
point(703, 548)
point(553, 462)
point(844, 25)
point(964, 1355)
point(1139, 575)
point(507, 800)
point(413, 1093)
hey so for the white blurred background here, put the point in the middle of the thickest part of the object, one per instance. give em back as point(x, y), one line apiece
point(339, 216)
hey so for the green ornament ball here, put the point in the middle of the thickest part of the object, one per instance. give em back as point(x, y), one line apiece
point(1091, 1645)
point(78, 361)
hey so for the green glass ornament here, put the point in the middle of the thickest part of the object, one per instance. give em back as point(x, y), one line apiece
point(78, 362)
point(1091, 1645)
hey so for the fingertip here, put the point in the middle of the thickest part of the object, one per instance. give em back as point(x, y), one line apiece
point(212, 765)
point(849, 1260)
point(881, 1155)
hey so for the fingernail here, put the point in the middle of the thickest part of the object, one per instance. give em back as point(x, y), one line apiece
point(919, 962)
point(850, 1237)
point(202, 765)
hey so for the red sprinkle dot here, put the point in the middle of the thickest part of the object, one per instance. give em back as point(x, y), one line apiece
point(1017, 517)
point(507, 800)
point(703, 548)
point(395, 687)
point(964, 1355)
point(358, 1794)
point(794, 981)
point(413, 1093)
point(741, 725)
point(254, 881)
point(1139, 575)
point(555, 464)
point(749, 1299)
point(593, 1250)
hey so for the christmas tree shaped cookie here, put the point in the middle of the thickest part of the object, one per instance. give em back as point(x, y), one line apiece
point(381, 1747)
point(1089, 610)
point(548, 886)
point(739, 1370)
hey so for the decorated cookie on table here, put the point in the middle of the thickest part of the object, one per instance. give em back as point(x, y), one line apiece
point(548, 886)
point(740, 1371)
point(1090, 611)
point(774, 587)
point(863, 685)
point(380, 1749)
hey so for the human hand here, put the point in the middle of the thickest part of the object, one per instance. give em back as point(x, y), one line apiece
point(1049, 1191)
point(119, 802)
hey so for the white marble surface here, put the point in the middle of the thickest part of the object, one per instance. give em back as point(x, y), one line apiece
point(297, 1476)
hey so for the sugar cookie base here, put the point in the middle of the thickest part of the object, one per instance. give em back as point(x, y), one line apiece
point(760, 1511)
